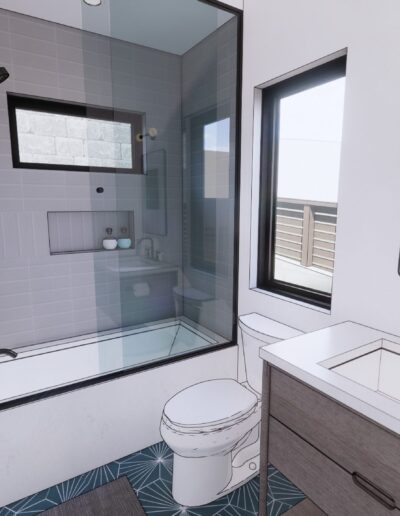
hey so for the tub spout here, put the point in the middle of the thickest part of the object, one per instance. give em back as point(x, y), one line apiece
point(9, 352)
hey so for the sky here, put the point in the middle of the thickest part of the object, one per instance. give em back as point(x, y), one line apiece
point(310, 141)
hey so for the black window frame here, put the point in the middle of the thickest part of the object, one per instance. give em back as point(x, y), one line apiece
point(45, 105)
point(271, 96)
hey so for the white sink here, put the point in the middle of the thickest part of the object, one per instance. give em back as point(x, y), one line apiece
point(375, 365)
point(137, 264)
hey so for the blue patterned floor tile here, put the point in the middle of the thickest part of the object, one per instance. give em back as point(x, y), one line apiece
point(148, 465)
point(282, 494)
point(150, 473)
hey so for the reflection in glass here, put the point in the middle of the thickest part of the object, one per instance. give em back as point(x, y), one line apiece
point(216, 159)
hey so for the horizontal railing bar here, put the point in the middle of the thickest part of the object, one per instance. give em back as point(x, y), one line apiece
point(326, 214)
point(289, 225)
point(325, 232)
point(323, 249)
point(323, 240)
point(327, 222)
point(316, 255)
point(284, 236)
point(319, 266)
point(288, 242)
point(299, 244)
point(282, 208)
point(289, 217)
point(287, 248)
point(289, 233)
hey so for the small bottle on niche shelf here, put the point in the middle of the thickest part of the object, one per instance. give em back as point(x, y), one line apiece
point(124, 242)
point(109, 243)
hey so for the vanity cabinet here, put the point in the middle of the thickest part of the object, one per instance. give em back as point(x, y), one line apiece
point(344, 463)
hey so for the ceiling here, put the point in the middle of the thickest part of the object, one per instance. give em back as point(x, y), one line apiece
point(170, 25)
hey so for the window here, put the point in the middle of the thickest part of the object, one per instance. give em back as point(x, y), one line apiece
point(50, 134)
point(300, 156)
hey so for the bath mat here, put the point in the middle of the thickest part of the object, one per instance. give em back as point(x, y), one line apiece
point(116, 498)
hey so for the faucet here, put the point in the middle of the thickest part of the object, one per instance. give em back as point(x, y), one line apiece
point(149, 252)
point(10, 352)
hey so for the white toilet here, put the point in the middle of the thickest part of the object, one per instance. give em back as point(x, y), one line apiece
point(213, 427)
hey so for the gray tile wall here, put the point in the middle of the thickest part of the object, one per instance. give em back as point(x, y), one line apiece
point(45, 297)
point(209, 82)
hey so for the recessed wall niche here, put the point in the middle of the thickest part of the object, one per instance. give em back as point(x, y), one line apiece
point(84, 231)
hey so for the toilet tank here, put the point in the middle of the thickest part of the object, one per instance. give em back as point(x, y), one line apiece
point(259, 331)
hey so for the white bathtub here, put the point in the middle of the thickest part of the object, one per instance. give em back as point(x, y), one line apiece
point(46, 367)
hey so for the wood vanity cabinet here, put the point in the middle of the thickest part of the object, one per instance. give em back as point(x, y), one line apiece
point(344, 463)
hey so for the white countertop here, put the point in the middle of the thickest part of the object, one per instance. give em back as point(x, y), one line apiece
point(301, 357)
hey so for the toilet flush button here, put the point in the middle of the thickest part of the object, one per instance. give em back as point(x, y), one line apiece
point(253, 466)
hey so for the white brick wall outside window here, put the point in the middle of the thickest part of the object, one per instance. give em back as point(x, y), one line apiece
point(71, 140)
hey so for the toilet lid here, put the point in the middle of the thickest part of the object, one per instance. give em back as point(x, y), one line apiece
point(192, 293)
point(210, 403)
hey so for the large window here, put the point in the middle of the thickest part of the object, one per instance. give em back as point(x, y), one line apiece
point(50, 134)
point(301, 141)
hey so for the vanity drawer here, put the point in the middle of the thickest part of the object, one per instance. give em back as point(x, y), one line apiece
point(324, 482)
point(355, 443)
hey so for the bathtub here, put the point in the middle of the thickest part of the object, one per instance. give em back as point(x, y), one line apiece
point(44, 368)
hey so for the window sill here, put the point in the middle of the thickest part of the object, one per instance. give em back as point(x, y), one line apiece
point(303, 304)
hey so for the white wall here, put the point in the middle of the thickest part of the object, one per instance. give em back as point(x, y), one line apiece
point(47, 442)
point(235, 3)
point(279, 36)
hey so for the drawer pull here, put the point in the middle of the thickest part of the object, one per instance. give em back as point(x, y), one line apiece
point(376, 492)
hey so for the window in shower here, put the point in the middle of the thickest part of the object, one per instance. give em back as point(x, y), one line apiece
point(48, 134)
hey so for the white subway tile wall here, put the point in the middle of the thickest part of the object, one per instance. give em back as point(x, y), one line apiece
point(45, 297)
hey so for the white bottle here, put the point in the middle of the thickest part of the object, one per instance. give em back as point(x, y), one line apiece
point(109, 242)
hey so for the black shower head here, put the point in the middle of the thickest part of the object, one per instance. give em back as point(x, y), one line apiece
point(4, 75)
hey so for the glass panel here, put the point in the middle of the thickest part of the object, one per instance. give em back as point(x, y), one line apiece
point(307, 192)
point(71, 140)
point(93, 252)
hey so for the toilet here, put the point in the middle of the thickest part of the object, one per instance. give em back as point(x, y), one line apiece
point(213, 426)
point(189, 300)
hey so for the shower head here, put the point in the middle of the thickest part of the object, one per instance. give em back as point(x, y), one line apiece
point(151, 133)
point(4, 75)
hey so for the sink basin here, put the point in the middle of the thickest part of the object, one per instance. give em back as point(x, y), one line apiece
point(137, 264)
point(375, 365)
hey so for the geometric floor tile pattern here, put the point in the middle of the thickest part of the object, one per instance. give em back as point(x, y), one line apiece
point(150, 474)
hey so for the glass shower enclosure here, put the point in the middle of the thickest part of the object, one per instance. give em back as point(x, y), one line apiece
point(142, 241)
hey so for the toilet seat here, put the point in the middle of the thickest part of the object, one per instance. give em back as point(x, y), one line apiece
point(208, 406)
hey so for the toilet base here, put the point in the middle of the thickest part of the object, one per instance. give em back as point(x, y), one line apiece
point(198, 481)
point(242, 474)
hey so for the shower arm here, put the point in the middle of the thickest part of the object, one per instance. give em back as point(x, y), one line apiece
point(9, 352)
